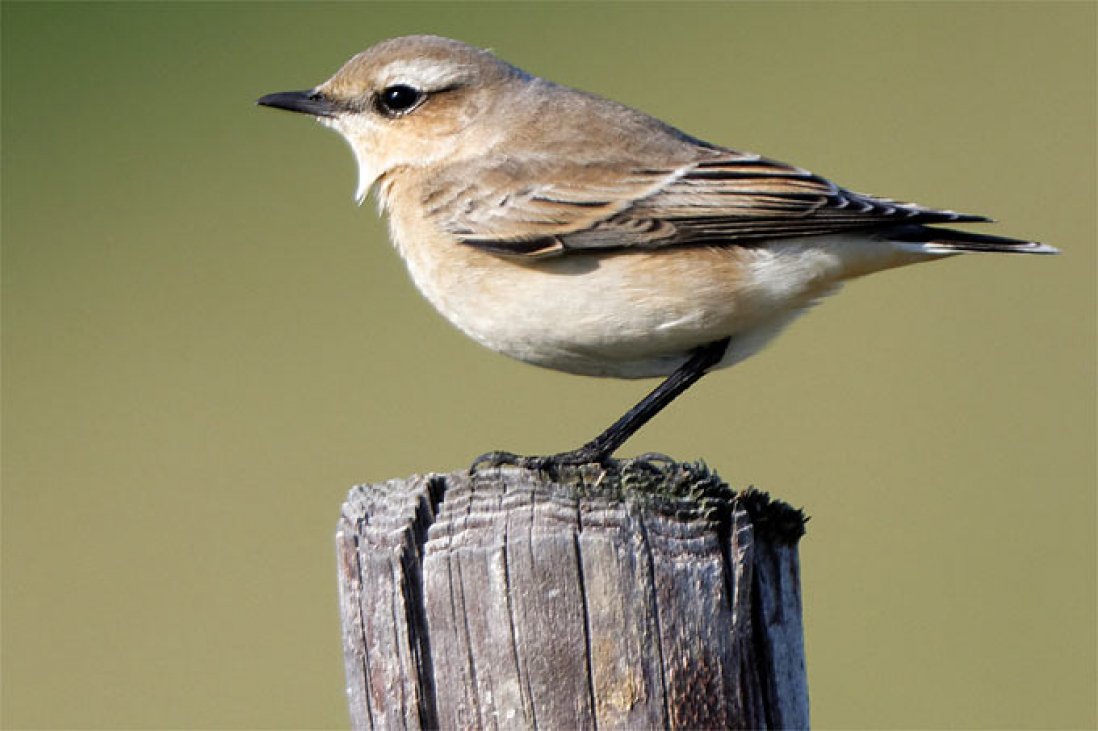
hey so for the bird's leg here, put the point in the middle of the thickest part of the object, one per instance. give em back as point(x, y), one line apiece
point(599, 449)
point(605, 444)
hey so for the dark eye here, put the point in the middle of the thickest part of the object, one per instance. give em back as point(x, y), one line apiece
point(398, 99)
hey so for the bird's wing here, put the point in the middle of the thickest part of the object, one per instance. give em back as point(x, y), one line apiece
point(527, 207)
point(548, 208)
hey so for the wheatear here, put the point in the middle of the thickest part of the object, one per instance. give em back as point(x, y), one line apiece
point(575, 233)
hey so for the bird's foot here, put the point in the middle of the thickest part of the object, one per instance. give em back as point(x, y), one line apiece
point(551, 463)
point(653, 458)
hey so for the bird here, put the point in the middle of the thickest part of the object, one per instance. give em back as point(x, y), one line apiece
point(575, 233)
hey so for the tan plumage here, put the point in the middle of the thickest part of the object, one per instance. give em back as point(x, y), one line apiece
point(575, 233)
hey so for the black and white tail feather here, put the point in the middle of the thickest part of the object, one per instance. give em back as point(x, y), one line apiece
point(928, 240)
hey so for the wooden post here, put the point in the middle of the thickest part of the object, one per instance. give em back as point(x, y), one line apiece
point(648, 595)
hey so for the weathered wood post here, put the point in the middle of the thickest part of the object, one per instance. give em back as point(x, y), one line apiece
point(642, 596)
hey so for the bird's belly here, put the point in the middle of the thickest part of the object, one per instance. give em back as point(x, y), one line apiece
point(628, 315)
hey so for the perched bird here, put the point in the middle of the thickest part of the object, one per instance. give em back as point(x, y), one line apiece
point(575, 233)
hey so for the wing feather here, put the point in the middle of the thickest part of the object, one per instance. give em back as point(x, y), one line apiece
point(545, 208)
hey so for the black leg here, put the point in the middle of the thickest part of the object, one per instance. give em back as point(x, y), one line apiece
point(605, 444)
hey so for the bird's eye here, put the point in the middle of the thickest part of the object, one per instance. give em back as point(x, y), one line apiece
point(398, 99)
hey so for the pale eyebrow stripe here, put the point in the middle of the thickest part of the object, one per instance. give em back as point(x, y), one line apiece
point(422, 72)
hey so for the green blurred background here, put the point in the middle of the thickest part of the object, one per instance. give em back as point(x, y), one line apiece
point(205, 344)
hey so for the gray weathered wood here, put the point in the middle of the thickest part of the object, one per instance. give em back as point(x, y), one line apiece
point(642, 596)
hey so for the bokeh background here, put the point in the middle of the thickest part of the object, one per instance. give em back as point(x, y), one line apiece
point(206, 343)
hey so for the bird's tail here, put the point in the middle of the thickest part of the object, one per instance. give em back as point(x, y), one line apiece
point(930, 240)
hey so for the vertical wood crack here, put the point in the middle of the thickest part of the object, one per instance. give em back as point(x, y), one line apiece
point(362, 625)
point(427, 512)
point(589, 657)
point(646, 539)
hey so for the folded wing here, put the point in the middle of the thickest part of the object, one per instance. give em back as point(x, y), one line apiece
point(545, 208)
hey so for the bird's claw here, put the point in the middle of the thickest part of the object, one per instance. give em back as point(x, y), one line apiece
point(550, 464)
point(496, 458)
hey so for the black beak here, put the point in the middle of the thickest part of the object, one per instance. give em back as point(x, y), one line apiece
point(306, 102)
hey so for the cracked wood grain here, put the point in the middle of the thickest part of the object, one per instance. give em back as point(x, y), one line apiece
point(642, 597)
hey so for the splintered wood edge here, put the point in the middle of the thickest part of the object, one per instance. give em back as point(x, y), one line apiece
point(664, 485)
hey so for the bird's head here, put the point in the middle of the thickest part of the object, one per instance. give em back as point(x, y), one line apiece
point(409, 101)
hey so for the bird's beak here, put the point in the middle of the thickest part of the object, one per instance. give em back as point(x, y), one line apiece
point(306, 102)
